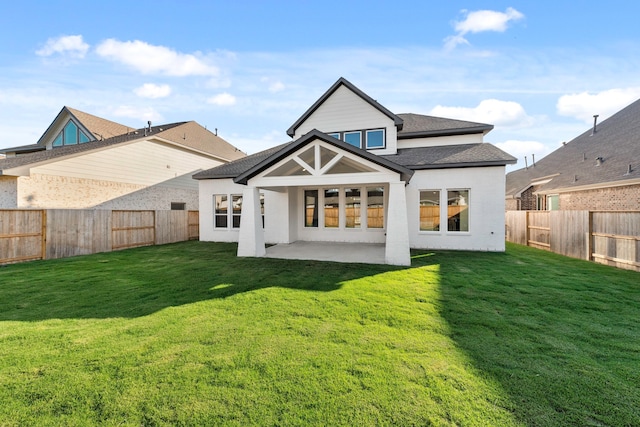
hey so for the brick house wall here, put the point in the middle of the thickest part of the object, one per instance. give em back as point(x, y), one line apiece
point(60, 192)
point(511, 204)
point(625, 198)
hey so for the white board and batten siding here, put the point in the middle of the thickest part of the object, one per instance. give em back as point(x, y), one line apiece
point(345, 111)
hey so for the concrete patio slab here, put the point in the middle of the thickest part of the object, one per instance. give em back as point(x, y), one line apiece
point(366, 253)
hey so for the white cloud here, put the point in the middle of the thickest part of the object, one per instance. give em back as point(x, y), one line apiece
point(490, 111)
point(222, 99)
point(72, 46)
point(139, 113)
point(519, 149)
point(584, 105)
point(150, 59)
point(480, 21)
point(276, 87)
point(153, 91)
point(257, 143)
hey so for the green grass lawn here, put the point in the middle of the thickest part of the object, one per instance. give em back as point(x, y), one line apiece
point(188, 334)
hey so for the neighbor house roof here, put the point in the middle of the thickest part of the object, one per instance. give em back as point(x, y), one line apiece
point(593, 159)
point(188, 134)
point(99, 127)
point(344, 82)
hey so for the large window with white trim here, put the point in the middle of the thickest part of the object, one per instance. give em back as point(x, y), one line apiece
point(457, 210)
point(345, 208)
point(352, 207)
point(430, 210)
point(332, 208)
point(227, 210)
point(311, 208)
point(375, 207)
point(220, 210)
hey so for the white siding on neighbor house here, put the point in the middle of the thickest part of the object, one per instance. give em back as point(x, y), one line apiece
point(8, 192)
point(440, 140)
point(60, 192)
point(346, 111)
point(139, 163)
point(486, 208)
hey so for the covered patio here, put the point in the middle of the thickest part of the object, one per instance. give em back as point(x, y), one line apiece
point(366, 253)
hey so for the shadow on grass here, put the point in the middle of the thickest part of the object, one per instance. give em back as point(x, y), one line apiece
point(559, 335)
point(141, 281)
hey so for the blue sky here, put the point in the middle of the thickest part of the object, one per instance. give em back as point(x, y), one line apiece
point(538, 71)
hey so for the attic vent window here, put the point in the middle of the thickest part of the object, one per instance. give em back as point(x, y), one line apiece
point(70, 135)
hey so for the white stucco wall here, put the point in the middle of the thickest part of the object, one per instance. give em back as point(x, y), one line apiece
point(8, 192)
point(284, 212)
point(486, 208)
point(275, 207)
point(345, 111)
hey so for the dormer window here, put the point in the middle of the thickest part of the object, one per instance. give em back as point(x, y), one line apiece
point(370, 139)
point(70, 135)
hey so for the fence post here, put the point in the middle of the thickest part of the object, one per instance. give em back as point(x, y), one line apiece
point(589, 236)
point(43, 218)
point(526, 229)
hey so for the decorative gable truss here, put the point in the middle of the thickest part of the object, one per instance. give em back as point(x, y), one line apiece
point(323, 160)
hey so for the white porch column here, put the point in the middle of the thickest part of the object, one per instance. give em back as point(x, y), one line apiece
point(251, 235)
point(396, 250)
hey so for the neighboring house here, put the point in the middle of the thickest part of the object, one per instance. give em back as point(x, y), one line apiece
point(84, 161)
point(598, 170)
point(356, 172)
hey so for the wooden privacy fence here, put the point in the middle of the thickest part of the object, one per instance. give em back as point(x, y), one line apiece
point(606, 237)
point(59, 233)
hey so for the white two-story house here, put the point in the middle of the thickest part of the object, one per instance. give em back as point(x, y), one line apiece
point(356, 172)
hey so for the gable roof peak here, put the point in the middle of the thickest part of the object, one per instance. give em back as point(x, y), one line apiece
point(346, 83)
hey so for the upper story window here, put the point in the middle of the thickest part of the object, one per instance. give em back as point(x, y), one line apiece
point(70, 135)
point(369, 139)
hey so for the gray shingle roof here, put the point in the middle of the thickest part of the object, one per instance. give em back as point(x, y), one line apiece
point(418, 125)
point(237, 167)
point(451, 156)
point(436, 157)
point(616, 141)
